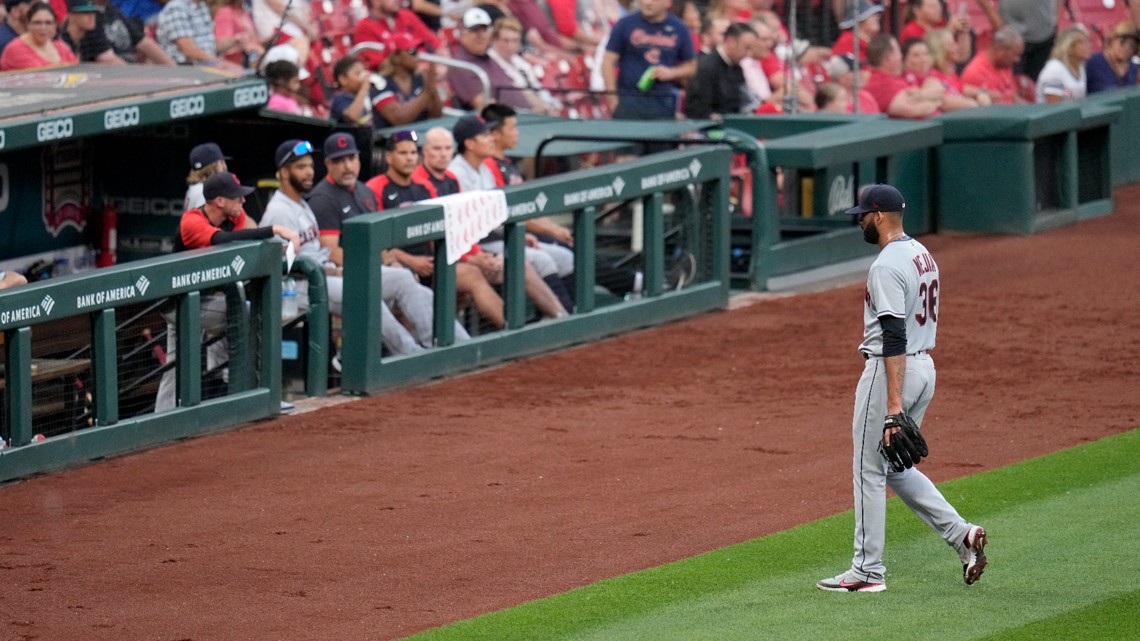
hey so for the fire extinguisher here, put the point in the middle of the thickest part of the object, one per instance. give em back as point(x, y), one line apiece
point(109, 223)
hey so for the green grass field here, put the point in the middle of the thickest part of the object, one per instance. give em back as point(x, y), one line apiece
point(1064, 547)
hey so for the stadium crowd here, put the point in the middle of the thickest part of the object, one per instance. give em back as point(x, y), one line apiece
point(604, 58)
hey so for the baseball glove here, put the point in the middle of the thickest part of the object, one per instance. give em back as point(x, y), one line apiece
point(908, 447)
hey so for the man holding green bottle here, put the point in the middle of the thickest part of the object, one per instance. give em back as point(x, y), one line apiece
point(648, 57)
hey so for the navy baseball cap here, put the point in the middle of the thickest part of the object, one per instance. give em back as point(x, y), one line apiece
point(878, 198)
point(206, 153)
point(226, 185)
point(466, 128)
point(340, 144)
point(291, 151)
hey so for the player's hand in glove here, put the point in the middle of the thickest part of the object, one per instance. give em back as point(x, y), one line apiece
point(903, 445)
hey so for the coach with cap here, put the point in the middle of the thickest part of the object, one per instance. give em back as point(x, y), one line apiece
point(341, 196)
point(206, 160)
point(219, 220)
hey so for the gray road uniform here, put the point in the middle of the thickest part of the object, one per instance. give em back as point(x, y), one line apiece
point(903, 282)
point(398, 285)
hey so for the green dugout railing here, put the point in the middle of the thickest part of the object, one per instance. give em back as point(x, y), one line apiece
point(1125, 136)
point(1024, 169)
point(580, 194)
point(250, 276)
point(824, 159)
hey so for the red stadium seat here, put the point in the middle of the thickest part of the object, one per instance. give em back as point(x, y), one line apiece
point(1094, 15)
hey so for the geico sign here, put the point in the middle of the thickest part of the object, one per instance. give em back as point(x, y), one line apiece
point(55, 129)
point(188, 106)
point(250, 96)
point(119, 118)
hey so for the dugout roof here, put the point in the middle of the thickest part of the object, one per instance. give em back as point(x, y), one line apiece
point(75, 101)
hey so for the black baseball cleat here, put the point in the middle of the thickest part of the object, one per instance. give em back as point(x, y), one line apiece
point(848, 582)
point(974, 558)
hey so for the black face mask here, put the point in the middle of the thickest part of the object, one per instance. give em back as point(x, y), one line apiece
point(871, 233)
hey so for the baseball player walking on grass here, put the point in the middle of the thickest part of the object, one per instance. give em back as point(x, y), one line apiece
point(900, 320)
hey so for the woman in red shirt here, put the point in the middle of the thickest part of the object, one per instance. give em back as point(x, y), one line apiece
point(943, 51)
point(38, 46)
point(235, 36)
point(918, 72)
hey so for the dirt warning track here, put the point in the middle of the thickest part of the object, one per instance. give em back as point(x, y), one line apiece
point(379, 518)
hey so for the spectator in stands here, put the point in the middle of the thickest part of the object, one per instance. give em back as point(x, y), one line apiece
point(126, 36)
point(992, 69)
point(690, 14)
point(712, 34)
point(206, 160)
point(754, 76)
point(573, 23)
point(352, 103)
point(38, 46)
point(506, 42)
point(12, 279)
point(474, 143)
point(284, 79)
point(145, 11)
point(943, 51)
point(831, 97)
point(235, 35)
point(926, 15)
point(385, 17)
point(867, 21)
point(841, 70)
point(341, 196)
point(718, 88)
point(436, 16)
point(652, 48)
point(186, 31)
point(79, 32)
point(540, 33)
point(475, 272)
point(734, 10)
point(1115, 67)
point(1035, 21)
point(1063, 77)
point(219, 220)
point(918, 68)
point(474, 47)
point(16, 22)
point(405, 94)
point(298, 29)
point(886, 85)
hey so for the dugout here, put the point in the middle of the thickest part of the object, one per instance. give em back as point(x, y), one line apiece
point(1025, 168)
point(816, 165)
point(93, 167)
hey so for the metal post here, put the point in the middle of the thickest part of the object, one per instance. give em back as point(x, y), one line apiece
point(857, 79)
point(584, 253)
point(790, 103)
